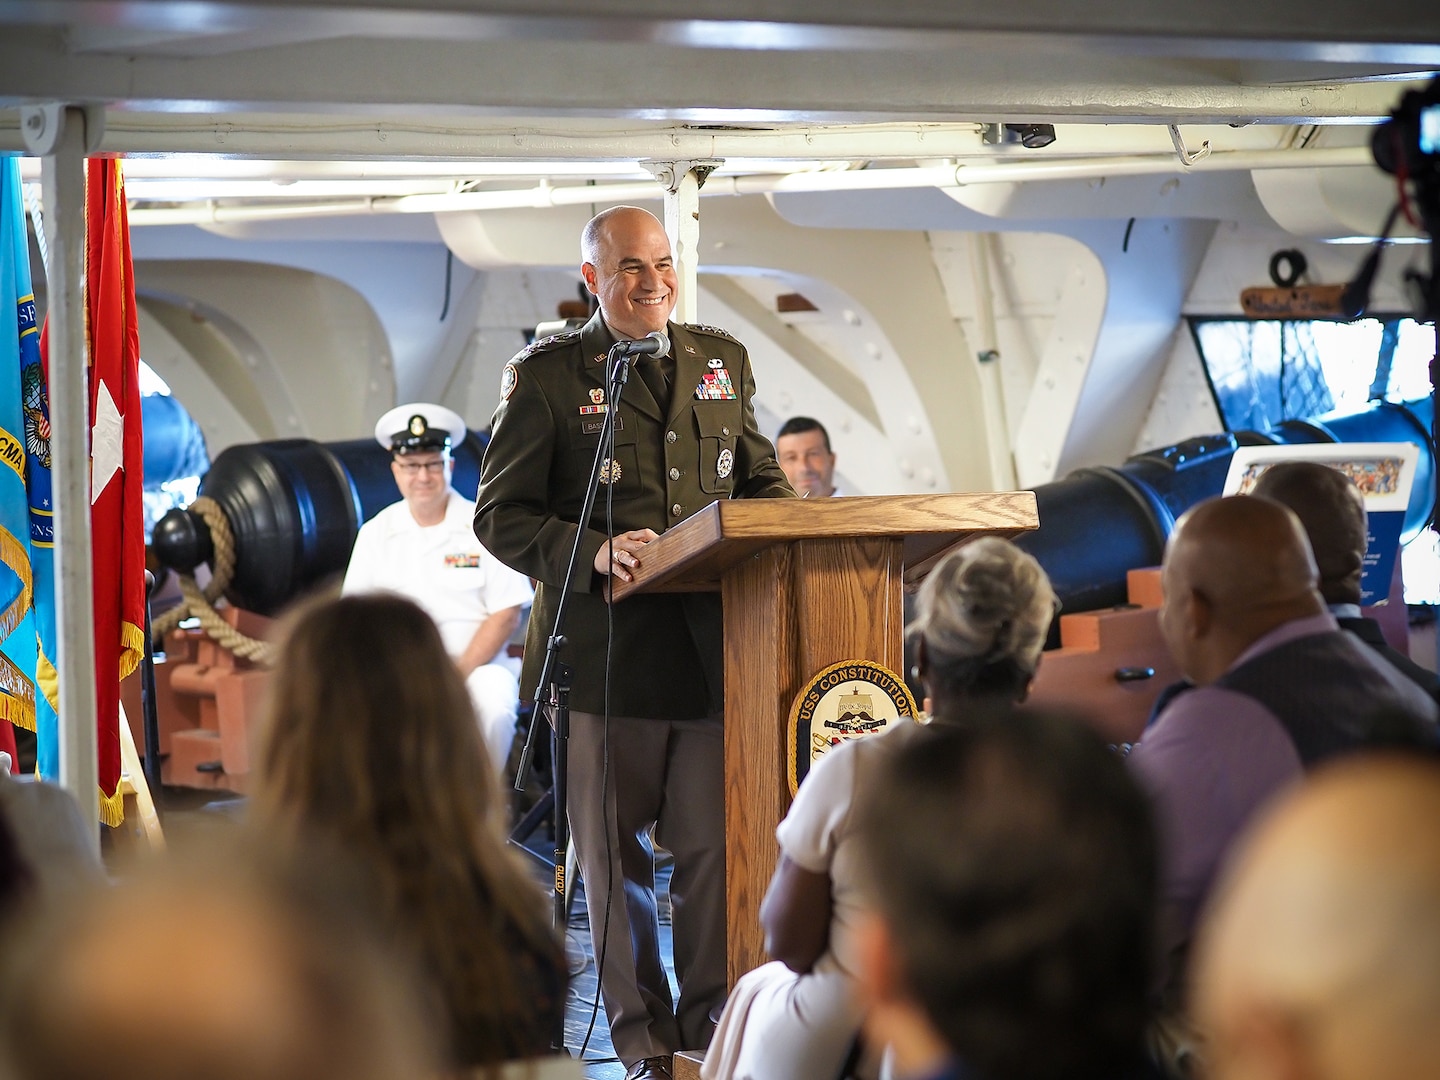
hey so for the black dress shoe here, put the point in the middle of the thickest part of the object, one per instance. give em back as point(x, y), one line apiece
point(651, 1068)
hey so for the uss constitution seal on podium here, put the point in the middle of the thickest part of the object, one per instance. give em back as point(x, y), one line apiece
point(848, 700)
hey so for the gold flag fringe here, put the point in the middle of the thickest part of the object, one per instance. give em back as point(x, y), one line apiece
point(112, 807)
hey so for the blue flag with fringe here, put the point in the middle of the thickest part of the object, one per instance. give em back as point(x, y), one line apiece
point(17, 632)
point(28, 688)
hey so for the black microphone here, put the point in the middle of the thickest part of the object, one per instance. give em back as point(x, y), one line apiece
point(654, 343)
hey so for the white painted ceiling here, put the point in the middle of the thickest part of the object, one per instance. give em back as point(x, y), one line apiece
point(346, 99)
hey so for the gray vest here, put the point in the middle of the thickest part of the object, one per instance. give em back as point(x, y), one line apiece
point(1332, 695)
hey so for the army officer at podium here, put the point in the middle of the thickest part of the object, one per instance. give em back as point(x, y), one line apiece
point(685, 437)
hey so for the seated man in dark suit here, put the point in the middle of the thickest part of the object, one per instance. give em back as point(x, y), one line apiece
point(1332, 510)
point(1278, 688)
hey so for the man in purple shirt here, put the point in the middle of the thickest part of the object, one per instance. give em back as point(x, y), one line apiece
point(1278, 687)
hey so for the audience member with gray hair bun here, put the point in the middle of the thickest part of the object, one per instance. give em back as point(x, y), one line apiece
point(981, 620)
point(984, 612)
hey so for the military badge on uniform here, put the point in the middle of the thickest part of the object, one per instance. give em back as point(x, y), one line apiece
point(507, 381)
point(609, 471)
point(716, 362)
point(715, 385)
point(724, 464)
point(597, 395)
point(467, 561)
point(591, 410)
point(418, 426)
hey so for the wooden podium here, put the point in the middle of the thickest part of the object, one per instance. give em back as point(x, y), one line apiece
point(805, 584)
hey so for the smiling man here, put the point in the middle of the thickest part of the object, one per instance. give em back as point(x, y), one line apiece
point(685, 437)
point(423, 547)
point(1278, 688)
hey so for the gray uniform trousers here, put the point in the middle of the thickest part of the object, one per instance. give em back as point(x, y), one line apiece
point(670, 773)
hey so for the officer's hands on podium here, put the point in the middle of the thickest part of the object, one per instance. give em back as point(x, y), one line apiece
point(626, 549)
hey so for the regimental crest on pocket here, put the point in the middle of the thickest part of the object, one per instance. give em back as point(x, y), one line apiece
point(725, 464)
point(610, 471)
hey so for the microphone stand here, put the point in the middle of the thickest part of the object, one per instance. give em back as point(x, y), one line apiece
point(556, 676)
point(148, 711)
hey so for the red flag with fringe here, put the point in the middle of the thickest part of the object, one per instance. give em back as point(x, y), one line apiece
point(117, 468)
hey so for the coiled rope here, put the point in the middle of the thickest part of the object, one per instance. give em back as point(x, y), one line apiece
point(199, 603)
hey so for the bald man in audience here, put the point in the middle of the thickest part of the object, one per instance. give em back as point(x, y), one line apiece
point(1278, 688)
point(1332, 510)
point(1320, 957)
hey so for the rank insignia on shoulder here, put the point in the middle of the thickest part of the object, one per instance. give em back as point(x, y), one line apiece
point(724, 464)
point(609, 471)
point(508, 378)
point(551, 342)
point(717, 331)
point(467, 561)
point(597, 395)
point(715, 386)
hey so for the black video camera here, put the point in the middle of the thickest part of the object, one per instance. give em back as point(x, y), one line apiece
point(1408, 146)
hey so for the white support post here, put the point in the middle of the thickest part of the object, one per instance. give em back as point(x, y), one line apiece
point(683, 181)
point(987, 359)
point(682, 223)
point(63, 181)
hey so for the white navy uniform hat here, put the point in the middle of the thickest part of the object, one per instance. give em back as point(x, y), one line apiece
point(419, 426)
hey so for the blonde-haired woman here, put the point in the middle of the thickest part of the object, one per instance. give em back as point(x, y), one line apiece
point(371, 751)
point(982, 617)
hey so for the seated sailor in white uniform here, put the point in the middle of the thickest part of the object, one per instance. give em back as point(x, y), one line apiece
point(424, 548)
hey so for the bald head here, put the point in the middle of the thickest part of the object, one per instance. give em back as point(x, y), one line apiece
point(1235, 569)
point(629, 267)
point(1321, 952)
point(1332, 512)
point(624, 218)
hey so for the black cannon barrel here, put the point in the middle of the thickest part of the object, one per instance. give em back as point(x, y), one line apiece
point(294, 507)
point(1098, 523)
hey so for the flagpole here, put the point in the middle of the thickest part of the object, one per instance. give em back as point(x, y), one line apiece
point(63, 179)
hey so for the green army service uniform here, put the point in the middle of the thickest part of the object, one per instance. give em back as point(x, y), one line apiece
point(666, 648)
point(665, 694)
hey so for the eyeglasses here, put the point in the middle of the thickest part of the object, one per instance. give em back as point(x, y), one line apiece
point(415, 468)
